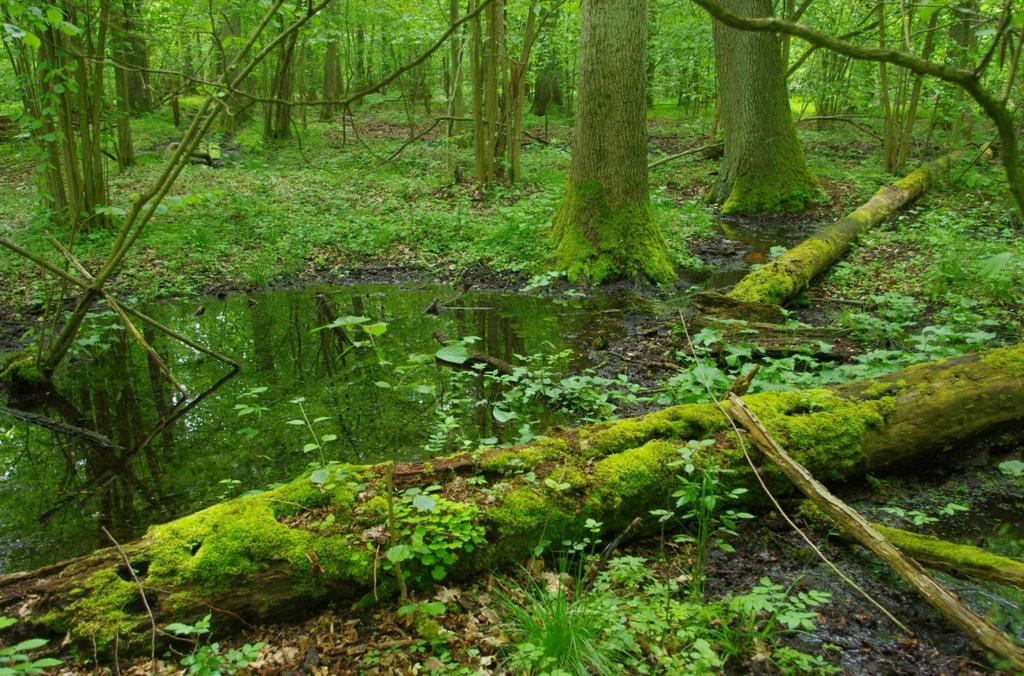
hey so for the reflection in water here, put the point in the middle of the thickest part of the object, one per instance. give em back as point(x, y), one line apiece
point(167, 457)
point(742, 243)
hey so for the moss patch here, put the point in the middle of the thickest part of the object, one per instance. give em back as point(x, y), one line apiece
point(597, 242)
point(822, 430)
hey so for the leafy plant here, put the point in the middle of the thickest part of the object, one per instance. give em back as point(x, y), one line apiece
point(16, 659)
point(700, 499)
point(431, 532)
point(209, 659)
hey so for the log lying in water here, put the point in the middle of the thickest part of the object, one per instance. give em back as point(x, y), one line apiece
point(779, 281)
point(277, 553)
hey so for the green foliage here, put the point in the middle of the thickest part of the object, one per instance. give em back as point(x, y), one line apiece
point(559, 627)
point(562, 630)
point(700, 500)
point(432, 533)
point(17, 658)
point(209, 659)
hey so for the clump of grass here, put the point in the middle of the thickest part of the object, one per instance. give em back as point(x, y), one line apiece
point(561, 629)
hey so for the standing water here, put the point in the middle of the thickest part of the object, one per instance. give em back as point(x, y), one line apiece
point(362, 384)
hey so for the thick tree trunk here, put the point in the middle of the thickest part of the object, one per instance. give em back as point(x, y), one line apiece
point(604, 227)
point(783, 278)
point(273, 554)
point(763, 169)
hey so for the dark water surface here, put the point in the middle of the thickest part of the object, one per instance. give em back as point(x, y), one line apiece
point(58, 489)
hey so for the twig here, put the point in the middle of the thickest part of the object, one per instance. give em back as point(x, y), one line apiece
point(607, 553)
point(142, 595)
point(691, 151)
point(943, 600)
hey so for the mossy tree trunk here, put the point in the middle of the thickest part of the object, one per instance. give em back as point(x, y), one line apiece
point(604, 229)
point(782, 279)
point(266, 555)
point(763, 169)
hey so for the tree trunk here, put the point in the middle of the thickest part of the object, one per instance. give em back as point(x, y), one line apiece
point(456, 100)
point(786, 276)
point(266, 555)
point(604, 228)
point(763, 169)
point(332, 79)
point(136, 57)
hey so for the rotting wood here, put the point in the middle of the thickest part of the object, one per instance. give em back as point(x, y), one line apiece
point(780, 280)
point(974, 626)
point(252, 557)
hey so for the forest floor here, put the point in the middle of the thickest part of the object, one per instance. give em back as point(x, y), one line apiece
point(945, 276)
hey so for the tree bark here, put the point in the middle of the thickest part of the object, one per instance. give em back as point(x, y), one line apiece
point(265, 555)
point(604, 228)
point(763, 169)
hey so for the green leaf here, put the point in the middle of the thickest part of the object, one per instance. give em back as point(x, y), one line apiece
point(31, 40)
point(377, 329)
point(456, 353)
point(53, 16)
point(399, 553)
point(30, 644)
point(424, 503)
point(503, 416)
point(320, 476)
point(7, 622)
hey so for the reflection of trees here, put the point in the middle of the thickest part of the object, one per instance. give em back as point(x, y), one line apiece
point(172, 453)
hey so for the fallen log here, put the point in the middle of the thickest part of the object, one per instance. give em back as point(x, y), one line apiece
point(977, 628)
point(279, 552)
point(957, 559)
point(779, 281)
point(777, 340)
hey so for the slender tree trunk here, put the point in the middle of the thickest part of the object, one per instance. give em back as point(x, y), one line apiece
point(136, 57)
point(763, 169)
point(456, 100)
point(604, 228)
point(332, 78)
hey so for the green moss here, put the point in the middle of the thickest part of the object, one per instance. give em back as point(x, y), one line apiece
point(780, 280)
point(822, 430)
point(108, 607)
point(234, 540)
point(689, 421)
point(635, 480)
point(964, 557)
point(24, 371)
point(544, 450)
point(523, 517)
point(1007, 359)
point(597, 243)
point(789, 186)
point(202, 556)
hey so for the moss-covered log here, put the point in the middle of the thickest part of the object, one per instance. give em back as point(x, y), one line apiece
point(277, 552)
point(782, 279)
point(955, 558)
